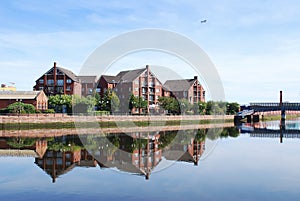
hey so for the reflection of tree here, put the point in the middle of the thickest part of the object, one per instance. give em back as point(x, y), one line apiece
point(229, 132)
point(214, 133)
point(166, 138)
point(65, 143)
point(201, 135)
point(19, 143)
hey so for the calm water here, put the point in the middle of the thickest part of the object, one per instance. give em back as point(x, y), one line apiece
point(244, 163)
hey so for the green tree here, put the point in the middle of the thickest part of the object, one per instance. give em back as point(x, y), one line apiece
point(114, 102)
point(170, 104)
point(201, 107)
point(232, 108)
point(21, 108)
point(137, 102)
point(83, 104)
point(110, 101)
point(61, 103)
point(184, 105)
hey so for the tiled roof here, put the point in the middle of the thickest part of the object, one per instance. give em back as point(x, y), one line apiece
point(110, 78)
point(178, 85)
point(19, 94)
point(87, 79)
point(69, 73)
point(130, 75)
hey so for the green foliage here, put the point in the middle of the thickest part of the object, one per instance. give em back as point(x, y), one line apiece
point(49, 111)
point(59, 102)
point(137, 102)
point(114, 102)
point(185, 106)
point(109, 102)
point(20, 143)
point(21, 108)
point(83, 104)
point(233, 108)
point(170, 104)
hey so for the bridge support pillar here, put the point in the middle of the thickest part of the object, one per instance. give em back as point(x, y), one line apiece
point(255, 118)
point(249, 118)
point(237, 119)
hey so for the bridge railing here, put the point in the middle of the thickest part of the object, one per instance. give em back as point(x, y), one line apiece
point(275, 106)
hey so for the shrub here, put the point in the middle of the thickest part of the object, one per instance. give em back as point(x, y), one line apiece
point(21, 108)
point(49, 111)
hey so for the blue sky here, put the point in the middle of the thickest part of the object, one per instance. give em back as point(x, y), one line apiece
point(254, 45)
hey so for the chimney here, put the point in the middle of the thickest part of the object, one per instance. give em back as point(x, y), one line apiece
point(54, 65)
point(195, 77)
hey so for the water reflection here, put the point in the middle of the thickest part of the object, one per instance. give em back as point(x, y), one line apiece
point(272, 129)
point(138, 153)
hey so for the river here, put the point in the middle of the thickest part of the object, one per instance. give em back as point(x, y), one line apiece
point(248, 162)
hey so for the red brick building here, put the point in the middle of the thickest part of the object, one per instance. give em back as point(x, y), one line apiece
point(139, 82)
point(88, 84)
point(58, 80)
point(189, 89)
point(37, 98)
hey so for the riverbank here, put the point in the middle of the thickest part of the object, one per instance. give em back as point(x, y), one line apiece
point(66, 121)
point(55, 132)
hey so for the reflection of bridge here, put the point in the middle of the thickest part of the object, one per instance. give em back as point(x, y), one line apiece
point(270, 131)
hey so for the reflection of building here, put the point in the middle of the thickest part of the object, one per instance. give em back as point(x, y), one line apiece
point(20, 147)
point(137, 154)
point(188, 152)
point(36, 98)
point(56, 163)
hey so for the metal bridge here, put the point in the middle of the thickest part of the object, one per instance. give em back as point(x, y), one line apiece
point(268, 107)
point(251, 110)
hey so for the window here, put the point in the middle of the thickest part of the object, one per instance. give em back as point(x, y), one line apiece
point(60, 83)
point(157, 90)
point(50, 82)
point(68, 88)
point(129, 89)
point(60, 90)
point(185, 94)
point(136, 82)
point(69, 81)
point(41, 81)
point(136, 89)
point(41, 88)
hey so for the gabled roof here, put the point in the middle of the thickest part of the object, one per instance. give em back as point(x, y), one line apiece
point(19, 94)
point(178, 85)
point(110, 79)
point(87, 78)
point(130, 75)
point(69, 73)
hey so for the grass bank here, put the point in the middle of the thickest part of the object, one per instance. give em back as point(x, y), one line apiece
point(108, 124)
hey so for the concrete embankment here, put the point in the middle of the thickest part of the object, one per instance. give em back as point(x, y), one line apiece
point(63, 118)
point(100, 131)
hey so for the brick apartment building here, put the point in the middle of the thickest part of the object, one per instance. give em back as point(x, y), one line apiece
point(139, 82)
point(189, 89)
point(88, 84)
point(58, 80)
